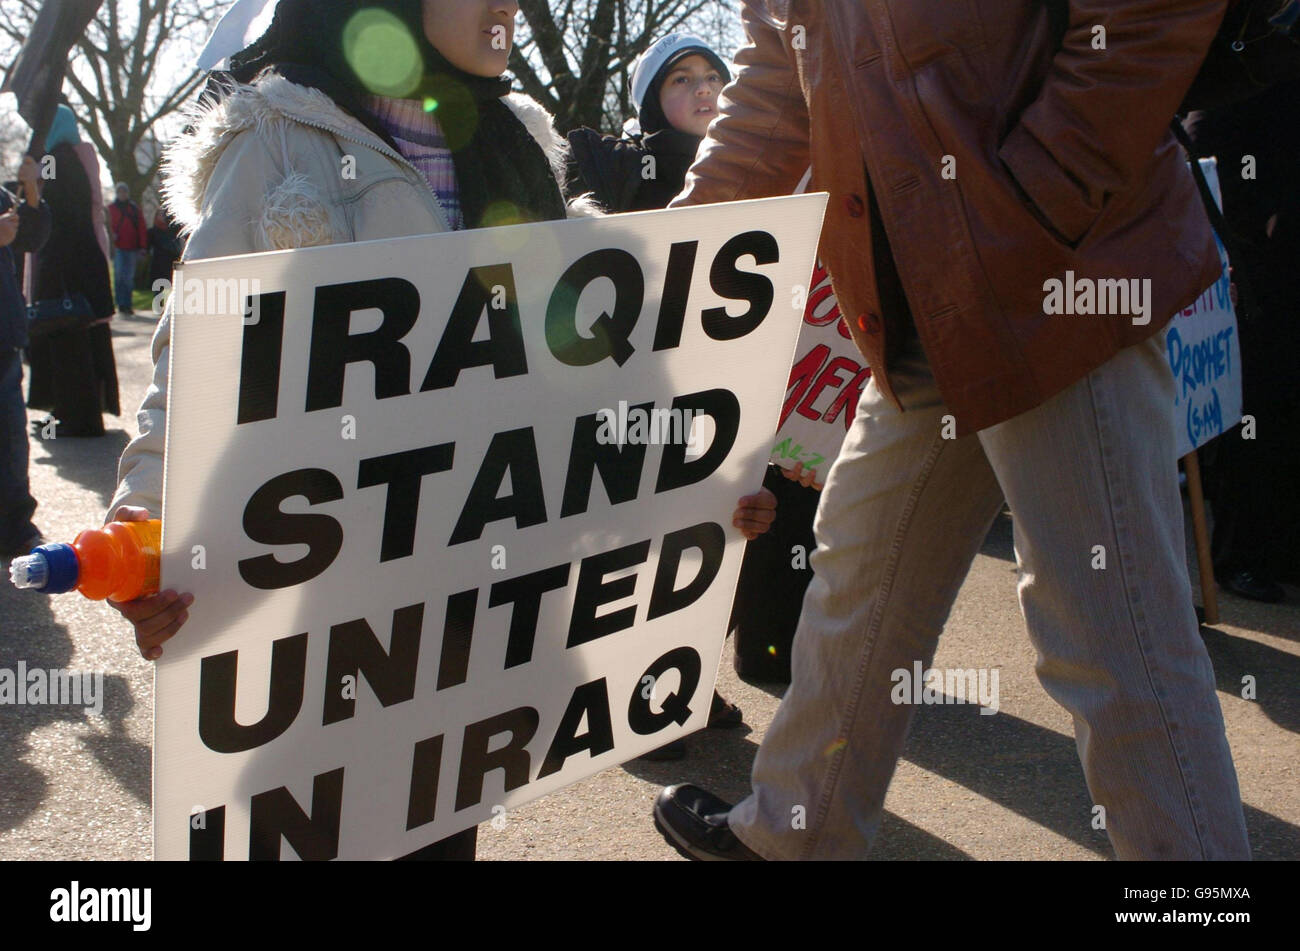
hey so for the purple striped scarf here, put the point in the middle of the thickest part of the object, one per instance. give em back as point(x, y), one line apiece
point(420, 140)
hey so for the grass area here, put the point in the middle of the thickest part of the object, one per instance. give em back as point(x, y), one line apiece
point(142, 301)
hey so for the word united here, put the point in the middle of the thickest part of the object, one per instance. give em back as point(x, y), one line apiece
point(501, 741)
point(1084, 296)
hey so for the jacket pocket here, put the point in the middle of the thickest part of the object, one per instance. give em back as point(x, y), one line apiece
point(1047, 190)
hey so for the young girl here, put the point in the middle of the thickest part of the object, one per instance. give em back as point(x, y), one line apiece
point(414, 94)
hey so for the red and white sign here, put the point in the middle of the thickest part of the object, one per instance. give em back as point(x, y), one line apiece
point(824, 386)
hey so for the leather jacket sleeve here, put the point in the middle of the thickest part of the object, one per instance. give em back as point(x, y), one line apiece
point(758, 145)
point(1102, 113)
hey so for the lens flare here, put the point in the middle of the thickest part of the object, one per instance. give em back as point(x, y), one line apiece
point(503, 212)
point(382, 52)
point(835, 746)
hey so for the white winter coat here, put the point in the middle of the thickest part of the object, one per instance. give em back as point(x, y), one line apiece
point(262, 171)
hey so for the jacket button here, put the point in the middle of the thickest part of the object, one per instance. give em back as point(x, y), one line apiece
point(854, 206)
point(869, 323)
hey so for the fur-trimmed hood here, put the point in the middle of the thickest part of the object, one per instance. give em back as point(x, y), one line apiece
point(190, 161)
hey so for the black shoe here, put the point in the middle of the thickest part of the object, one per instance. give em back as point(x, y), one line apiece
point(694, 821)
point(669, 751)
point(723, 714)
point(1246, 585)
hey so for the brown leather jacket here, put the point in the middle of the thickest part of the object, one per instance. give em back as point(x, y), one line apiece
point(999, 163)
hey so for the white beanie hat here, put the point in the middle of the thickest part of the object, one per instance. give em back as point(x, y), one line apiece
point(672, 47)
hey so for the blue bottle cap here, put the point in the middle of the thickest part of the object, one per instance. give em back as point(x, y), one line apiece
point(64, 568)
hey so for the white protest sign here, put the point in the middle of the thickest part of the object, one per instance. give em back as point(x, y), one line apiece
point(1204, 355)
point(429, 583)
point(823, 386)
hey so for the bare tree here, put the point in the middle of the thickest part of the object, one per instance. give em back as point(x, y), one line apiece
point(133, 69)
point(129, 73)
point(575, 57)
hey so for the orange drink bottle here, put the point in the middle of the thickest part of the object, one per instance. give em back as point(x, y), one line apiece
point(118, 561)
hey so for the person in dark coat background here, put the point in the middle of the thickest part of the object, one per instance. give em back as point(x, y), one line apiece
point(73, 373)
point(1252, 481)
point(127, 229)
point(24, 227)
point(165, 247)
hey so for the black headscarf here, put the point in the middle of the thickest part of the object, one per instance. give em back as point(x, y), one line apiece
point(651, 117)
point(502, 174)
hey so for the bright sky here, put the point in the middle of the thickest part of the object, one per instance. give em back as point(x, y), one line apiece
point(175, 63)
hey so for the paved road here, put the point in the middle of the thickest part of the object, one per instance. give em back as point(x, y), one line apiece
point(1007, 786)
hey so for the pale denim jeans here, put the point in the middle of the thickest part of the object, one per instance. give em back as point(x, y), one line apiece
point(903, 514)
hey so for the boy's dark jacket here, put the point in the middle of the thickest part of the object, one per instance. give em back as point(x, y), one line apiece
point(33, 230)
point(634, 174)
point(71, 261)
